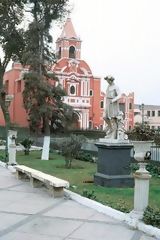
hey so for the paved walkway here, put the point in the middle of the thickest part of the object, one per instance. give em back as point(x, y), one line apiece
point(27, 213)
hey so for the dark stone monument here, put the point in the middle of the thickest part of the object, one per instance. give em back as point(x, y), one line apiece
point(114, 151)
point(113, 166)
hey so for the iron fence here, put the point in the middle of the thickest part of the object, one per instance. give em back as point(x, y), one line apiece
point(155, 152)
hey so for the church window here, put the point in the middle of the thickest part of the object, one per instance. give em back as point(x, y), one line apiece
point(72, 52)
point(130, 106)
point(91, 93)
point(59, 52)
point(102, 105)
point(72, 90)
point(148, 113)
point(90, 124)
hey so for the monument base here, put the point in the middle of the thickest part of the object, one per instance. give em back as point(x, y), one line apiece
point(113, 181)
point(113, 165)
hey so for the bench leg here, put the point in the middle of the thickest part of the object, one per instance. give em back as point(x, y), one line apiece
point(35, 183)
point(21, 175)
point(56, 192)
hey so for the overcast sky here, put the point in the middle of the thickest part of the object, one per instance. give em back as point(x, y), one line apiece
point(122, 38)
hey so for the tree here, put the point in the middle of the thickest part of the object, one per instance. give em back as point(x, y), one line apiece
point(40, 96)
point(70, 147)
point(11, 42)
point(27, 143)
point(64, 119)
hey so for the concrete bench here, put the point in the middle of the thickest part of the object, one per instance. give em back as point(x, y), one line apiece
point(37, 179)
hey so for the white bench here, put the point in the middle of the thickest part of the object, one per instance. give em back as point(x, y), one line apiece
point(37, 179)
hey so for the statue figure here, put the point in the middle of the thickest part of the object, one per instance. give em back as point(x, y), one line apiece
point(121, 132)
point(112, 108)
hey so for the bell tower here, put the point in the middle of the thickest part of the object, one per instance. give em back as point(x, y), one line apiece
point(68, 45)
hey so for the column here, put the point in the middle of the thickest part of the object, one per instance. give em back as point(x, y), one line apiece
point(141, 191)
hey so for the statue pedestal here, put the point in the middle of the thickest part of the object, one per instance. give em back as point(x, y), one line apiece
point(113, 166)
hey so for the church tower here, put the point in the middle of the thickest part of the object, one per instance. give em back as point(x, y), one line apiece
point(75, 76)
point(68, 45)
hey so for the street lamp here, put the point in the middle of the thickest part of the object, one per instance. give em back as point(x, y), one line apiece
point(142, 109)
point(8, 100)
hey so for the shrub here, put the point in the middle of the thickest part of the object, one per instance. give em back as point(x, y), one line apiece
point(121, 205)
point(141, 133)
point(27, 143)
point(134, 167)
point(2, 158)
point(152, 216)
point(90, 195)
point(84, 156)
point(2, 142)
point(70, 148)
point(157, 139)
point(152, 168)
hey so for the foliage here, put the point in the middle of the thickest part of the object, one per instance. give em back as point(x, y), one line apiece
point(27, 143)
point(84, 156)
point(141, 133)
point(11, 41)
point(90, 195)
point(2, 142)
point(70, 148)
point(134, 167)
point(41, 100)
point(152, 216)
point(11, 35)
point(2, 158)
point(120, 205)
point(42, 97)
point(153, 168)
point(64, 119)
point(157, 139)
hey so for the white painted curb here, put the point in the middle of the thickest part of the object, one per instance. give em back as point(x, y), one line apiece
point(95, 205)
point(123, 217)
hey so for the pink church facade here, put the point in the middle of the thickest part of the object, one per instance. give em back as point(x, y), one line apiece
point(75, 76)
point(82, 87)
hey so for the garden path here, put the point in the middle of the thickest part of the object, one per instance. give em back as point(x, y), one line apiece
point(27, 213)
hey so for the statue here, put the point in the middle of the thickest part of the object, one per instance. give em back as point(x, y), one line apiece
point(112, 114)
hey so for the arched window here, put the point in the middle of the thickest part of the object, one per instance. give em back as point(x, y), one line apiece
point(90, 124)
point(130, 106)
point(59, 52)
point(102, 105)
point(91, 92)
point(72, 90)
point(72, 52)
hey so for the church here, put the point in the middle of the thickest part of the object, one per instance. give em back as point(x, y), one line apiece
point(75, 76)
point(82, 87)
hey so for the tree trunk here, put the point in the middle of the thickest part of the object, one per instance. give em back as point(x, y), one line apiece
point(6, 115)
point(4, 108)
point(46, 141)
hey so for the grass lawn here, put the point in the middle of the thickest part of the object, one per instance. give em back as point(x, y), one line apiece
point(82, 172)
